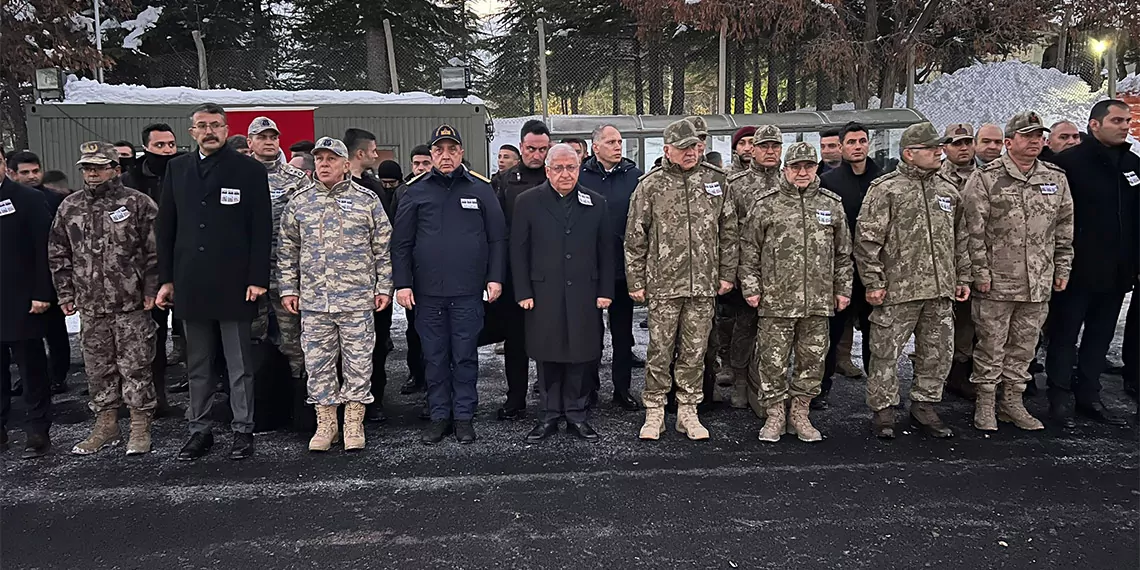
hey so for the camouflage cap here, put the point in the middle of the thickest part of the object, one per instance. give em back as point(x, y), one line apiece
point(333, 145)
point(800, 152)
point(957, 132)
point(262, 124)
point(681, 134)
point(920, 135)
point(699, 124)
point(768, 133)
point(97, 152)
point(1024, 123)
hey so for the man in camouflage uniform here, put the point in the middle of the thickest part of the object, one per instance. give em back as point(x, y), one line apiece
point(958, 147)
point(762, 176)
point(680, 252)
point(336, 272)
point(104, 264)
point(285, 181)
point(1020, 218)
point(796, 270)
point(702, 134)
point(910, 247)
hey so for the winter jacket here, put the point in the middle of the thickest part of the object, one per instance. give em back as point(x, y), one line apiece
point(617, 187)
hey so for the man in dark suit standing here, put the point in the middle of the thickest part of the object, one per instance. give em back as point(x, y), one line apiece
point(213, 231)
point(563, 268)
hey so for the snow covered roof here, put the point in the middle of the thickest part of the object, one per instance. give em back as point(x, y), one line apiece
point(80, 91)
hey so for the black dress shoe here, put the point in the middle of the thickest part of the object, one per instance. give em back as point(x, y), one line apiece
point(582, 430)
point(1098, 413)
point(626, 402)
point(465, 431)
point(242, 446)
point(435, 432)
point(644, 324)
point(3, 439)
point(375, 413)
point(179, 387)
point(412, 386)
point(1036, 367)
point(198, 446)
point(59, 387)
point(542, 431)
point(819, 402)
point(636, 362)
point(1062, 413)
point(37, 445)
point(511, 414)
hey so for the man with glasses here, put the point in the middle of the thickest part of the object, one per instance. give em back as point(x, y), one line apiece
point(214, 236)
point(959, 150)
point(911, 251)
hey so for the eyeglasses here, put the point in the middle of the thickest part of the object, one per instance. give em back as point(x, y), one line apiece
point(801, 166)
point(94, 168)
point(562, 168)
point(209, 126)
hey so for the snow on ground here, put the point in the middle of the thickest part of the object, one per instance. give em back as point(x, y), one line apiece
point(80, 91)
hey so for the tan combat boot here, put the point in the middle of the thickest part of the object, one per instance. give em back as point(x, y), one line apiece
point(353, 426)
point(1012, 408)
point(654, 424)
point(798, 421)
point(739, 388)
point(327, 432)
point(924, 417)
point(689, 424)
point(139, 441)
point(106, 432)
point(775, 424)
point(883, 423)
point(984, 408)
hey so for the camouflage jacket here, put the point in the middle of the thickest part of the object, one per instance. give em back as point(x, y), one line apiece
point(749, 184)
point(958, 175)
point(102, 250)
point(1021, 229)
point(737, 164)
point(334, 248)
point(910, 238)
point(796, 251)
point(285, 181)
point(681, 233)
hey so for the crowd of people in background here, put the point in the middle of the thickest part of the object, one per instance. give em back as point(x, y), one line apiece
point(985, 245)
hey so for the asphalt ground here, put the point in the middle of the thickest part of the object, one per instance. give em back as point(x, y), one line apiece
point(1060, 499)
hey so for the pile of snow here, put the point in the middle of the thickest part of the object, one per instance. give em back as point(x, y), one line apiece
point(80, 91)
point(1130, 84)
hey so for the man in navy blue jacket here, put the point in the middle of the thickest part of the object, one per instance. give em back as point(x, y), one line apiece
point(615, 177)
point(449, 245)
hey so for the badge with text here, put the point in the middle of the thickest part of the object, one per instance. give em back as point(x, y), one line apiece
point(345, 204)
point(121, 214)
point(824, 217)
point(231, 196)
point(713, 188)
point(469, 203)
point(7, 208)
point(944, 203)
point(1048, 189)
point(585, 200)
point(275, 193)
point(1132, 179)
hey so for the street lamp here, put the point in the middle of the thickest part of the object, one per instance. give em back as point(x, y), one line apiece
point(1098, 47)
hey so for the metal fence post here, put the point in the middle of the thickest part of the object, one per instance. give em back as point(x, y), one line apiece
point(391, 57)
point(1110, 62)
point(203, 77)
point(722, 69)
point(542, 70)
point(99, 39)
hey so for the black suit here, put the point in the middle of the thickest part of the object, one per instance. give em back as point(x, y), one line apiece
point(562, 258)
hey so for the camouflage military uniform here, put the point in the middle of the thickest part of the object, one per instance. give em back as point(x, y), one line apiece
point(334, 256)
point(911, 241)
point(796, 256)
point(285, 181)
point(963, 321)
point(104, 259)
point(1021, 234)
point(681, 241)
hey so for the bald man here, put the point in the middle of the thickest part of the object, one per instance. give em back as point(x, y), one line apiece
point(991, 139)
point(1062, 135)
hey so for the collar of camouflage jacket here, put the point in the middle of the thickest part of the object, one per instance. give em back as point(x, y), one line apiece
point(911, 171)
point(790, 189)
point(104, 188)
point(1015, 171)
point(337, 188)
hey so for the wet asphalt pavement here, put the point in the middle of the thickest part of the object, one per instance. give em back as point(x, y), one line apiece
point(1053, 499)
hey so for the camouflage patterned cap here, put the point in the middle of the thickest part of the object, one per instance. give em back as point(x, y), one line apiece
point(262, 124)
point(920, 135)
point(768, 133)
point(681, 134)
point(800, 152)
point(97, 152)
point(957, 132)
point(700, 124)
point(333, 145)
point(1024, 123)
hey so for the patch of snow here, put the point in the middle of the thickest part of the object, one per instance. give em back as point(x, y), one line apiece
point(681, 29)
point(692, 1)
point(22, 11)
point(145, 20)
point(31, 40)
point(80, 91)
point(1130, 84)
point(826, 6)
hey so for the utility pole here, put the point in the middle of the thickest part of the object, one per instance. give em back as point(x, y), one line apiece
point(99, 39)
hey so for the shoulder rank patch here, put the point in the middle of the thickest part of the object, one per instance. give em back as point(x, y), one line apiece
point(479, 176)
point(831, 194)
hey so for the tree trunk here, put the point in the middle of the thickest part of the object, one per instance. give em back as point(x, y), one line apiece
point(772, 92)
point(378, 77)
point(824, 96)
point(756, 76)
point(861, 79)
point(615, 87)
point(575, 101)
point(638, 80)
point(793, 84)
point(14, 117)
point(677, 101)
point(889, 81)
point(656, 80)
point(740, 56)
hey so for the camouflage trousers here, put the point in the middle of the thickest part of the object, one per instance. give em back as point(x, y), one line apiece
point(117, 354)
point(743, 346)
point(677, 326)
point(1007, 339)
point(347, 338)
point(288, 330)
point(963, 332)
point(777, 339)
point(931, 321)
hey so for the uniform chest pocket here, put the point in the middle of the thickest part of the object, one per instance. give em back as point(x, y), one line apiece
point(469, 217)
point(120, 225)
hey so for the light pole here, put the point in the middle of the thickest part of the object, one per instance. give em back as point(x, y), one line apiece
point(99, 40)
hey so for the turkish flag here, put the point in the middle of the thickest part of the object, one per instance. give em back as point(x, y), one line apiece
point(296, 123)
